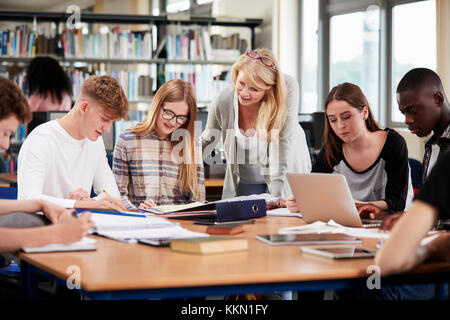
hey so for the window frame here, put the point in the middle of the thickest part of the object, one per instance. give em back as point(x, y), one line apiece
point(330, 8)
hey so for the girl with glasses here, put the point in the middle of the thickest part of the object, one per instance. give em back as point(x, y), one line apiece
point(257, 120)
point(157, 162)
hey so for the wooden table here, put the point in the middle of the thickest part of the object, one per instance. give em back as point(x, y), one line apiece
point(135, 271)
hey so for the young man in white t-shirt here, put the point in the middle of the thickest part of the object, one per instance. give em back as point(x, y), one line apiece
point(61, 160)
point(19, 226)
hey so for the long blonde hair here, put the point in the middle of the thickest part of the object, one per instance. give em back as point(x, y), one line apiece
point(273, 110)
point(174, 91)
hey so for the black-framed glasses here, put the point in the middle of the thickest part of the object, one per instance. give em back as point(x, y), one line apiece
point(265, 61)
point(169, 115)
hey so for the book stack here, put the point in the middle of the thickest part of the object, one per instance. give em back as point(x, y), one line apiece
point(213, 244)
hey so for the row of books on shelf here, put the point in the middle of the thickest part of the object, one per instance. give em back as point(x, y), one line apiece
point(206, 84)
point(114, 45)
point(180, 43)
point(140, 88)
point(27, 42)
point(136, 87)
point(195, 43)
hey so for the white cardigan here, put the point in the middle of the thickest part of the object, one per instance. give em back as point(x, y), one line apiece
point(290, 154)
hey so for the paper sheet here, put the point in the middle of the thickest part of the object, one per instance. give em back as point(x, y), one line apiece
point(333, 227)
point(173, 207)
point(174, 232)
point(283, 212)
point(83, 244)
point(117, 222)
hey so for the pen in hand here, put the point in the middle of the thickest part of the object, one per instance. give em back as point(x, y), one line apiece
point(121, 207)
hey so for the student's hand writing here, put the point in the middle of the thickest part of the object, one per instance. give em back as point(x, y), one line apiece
point(52, 211)
point(291, 204)
point(439, 248)
point(79, 194)
point(71, 229)
point(371, 211)
point(388, 223)
point(147, 204)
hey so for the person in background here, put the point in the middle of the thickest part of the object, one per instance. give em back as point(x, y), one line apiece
point(48, 86)
point(257, 119)
point(373, 161)
point(147, 163)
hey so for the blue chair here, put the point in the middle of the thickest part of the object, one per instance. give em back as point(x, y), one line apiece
point(416, 173)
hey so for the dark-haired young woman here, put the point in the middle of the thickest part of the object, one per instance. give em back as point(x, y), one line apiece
point(48, 85)
point(374, 161)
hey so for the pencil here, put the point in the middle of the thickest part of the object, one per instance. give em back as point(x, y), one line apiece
point(121, 207)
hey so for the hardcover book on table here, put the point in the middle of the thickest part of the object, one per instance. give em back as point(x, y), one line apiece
point(214, 244)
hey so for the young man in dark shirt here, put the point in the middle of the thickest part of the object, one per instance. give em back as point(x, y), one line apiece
point(421, 98)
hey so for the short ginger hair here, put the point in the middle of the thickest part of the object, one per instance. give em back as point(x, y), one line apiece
point(13, 102)
point(108, 93)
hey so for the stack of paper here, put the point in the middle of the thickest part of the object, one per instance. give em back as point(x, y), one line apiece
point(173, 232)
point(109, 222)
point(132, 228)
point(333, 227)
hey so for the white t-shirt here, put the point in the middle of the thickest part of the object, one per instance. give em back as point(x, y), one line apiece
point(435, 149)
point(52, 164)
point(251, 152)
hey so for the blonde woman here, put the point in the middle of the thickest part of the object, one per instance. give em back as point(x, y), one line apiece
point(157, 162)
point(257, 119)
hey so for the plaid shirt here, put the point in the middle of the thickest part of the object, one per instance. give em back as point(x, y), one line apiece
point(444, 145)
point(144, 169)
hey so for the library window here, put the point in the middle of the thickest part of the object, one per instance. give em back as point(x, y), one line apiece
point(413, 43)
point(310, 23)
point(354, 52)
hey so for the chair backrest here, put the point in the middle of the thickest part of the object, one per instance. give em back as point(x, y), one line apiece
point(8, 193)
point(416, 173)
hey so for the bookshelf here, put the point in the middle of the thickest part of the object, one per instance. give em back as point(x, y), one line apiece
point(201, 69)
point(85, 48)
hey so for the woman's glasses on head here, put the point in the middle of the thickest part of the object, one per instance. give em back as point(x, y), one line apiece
point(265, 61)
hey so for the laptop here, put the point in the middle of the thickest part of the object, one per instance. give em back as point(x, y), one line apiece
point(324, 196)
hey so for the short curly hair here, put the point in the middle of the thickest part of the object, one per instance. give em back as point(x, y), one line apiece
point(108, 93)
point(12, 101)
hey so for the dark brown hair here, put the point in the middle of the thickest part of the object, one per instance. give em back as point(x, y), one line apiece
point(12, 101)
point(353, 95)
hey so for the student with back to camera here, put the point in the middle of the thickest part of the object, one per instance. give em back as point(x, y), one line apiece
point(48, 85)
